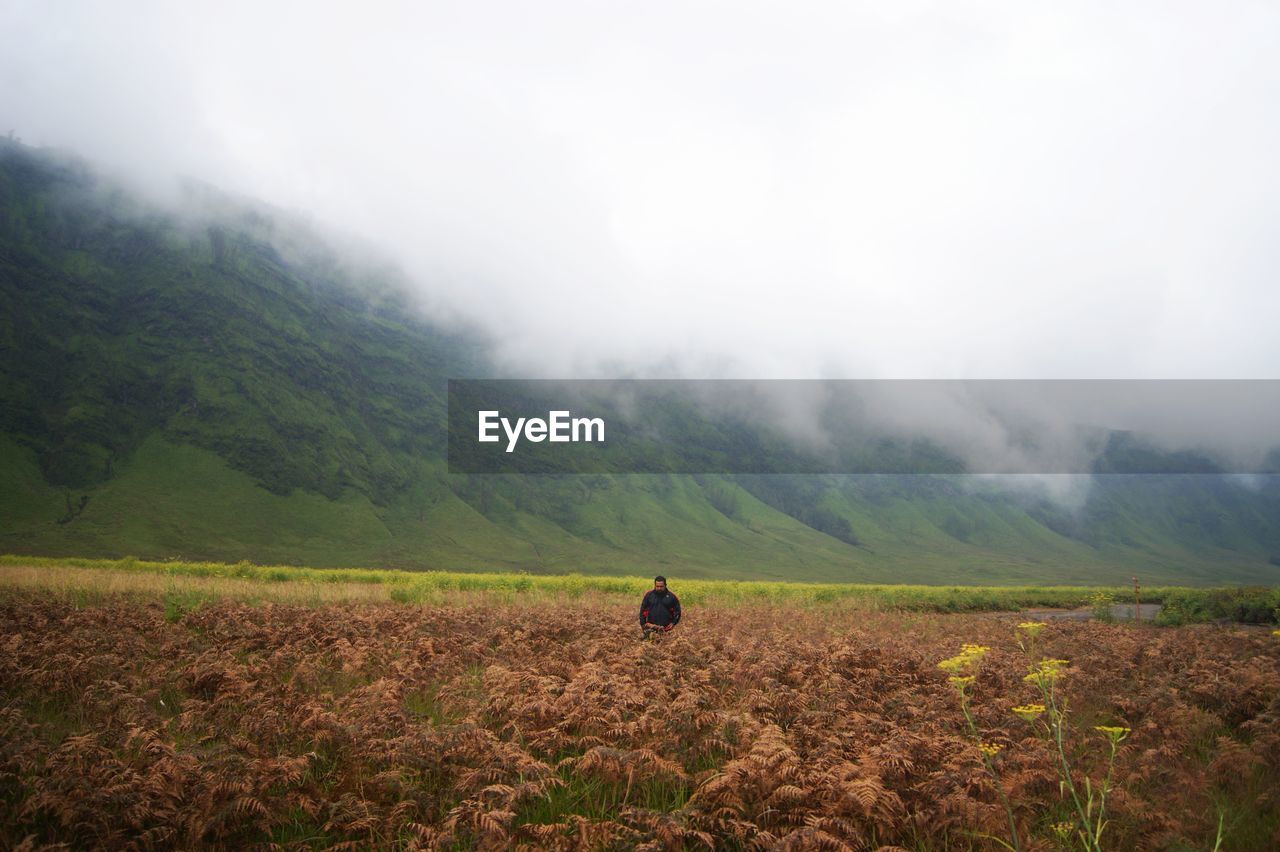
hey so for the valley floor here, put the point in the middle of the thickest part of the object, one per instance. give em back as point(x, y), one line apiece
point(127, 720)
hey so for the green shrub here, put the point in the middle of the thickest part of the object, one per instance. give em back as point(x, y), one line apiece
point(1171, 615)
point(1245, 604)
point(407, 594)
point(179, 603)
point(1101, 603)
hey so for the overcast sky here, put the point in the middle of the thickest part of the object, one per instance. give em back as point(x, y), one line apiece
point(900, 189)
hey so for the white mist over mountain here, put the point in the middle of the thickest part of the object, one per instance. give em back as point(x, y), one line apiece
point(942, 190)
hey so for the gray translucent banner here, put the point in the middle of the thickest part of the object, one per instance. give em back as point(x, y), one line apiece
point(864, 426)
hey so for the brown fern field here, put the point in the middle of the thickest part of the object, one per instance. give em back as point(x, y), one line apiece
point(127, 721)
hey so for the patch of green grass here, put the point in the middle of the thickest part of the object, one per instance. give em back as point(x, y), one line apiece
point(57, 717)
point(424, 703)
point(81, 597)
point(169, 700)
point(178, 603)
point(1245, 825)
point(299, 829)
point(599, 799)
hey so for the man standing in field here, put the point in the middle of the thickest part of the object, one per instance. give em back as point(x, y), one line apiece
point(660, 609)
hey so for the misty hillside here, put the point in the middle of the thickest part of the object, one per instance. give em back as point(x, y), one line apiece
point(221, 383)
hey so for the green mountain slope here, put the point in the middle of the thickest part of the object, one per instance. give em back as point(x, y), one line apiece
point(222, 384)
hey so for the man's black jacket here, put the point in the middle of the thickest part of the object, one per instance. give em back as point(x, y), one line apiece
point(661, 608)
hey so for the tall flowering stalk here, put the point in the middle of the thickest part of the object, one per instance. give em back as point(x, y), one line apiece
point(1050, 715)
point(962, 669)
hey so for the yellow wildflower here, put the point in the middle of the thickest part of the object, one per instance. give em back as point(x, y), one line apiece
point(1062, 829)
point(1275, 633)
point(1045, 676)
point(991, 749)
point(1029, 711)
point(1115, 733)
point(961, 683)
point(1046, 671)
point(1032, 627)
point(968, 658)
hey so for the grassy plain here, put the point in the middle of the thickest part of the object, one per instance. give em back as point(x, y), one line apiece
point(196, 707)
point(84, 580)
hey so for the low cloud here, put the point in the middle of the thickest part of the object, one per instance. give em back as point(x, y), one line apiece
point(843, 190)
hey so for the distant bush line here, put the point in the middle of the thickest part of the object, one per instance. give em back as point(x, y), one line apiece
point(1181, 605)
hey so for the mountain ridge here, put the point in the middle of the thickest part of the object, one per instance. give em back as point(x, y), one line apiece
point(229, 387)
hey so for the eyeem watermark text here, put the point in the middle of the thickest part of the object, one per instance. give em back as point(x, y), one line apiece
point(559, 427)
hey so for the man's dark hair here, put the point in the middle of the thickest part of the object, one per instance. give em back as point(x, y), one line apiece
point(659, 577)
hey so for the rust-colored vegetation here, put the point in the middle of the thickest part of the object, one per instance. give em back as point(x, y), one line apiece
point(507, 726)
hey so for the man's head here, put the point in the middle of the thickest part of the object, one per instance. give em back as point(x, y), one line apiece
point(660, 583)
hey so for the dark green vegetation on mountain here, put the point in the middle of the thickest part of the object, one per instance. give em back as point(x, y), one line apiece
point(220, 384)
